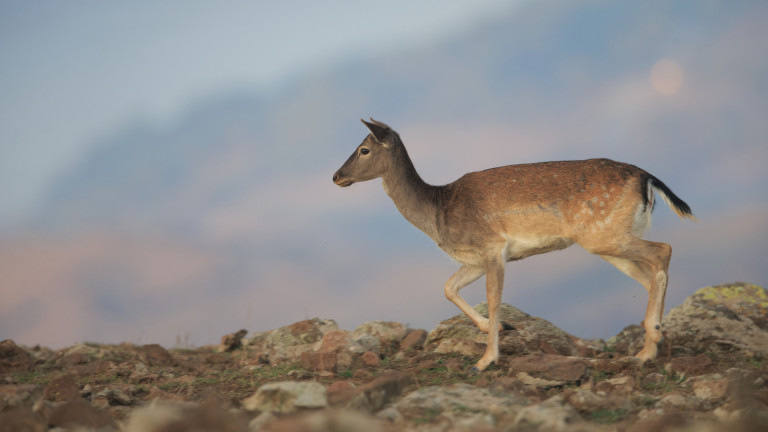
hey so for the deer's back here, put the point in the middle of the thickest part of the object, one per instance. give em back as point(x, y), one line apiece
point(560, 201)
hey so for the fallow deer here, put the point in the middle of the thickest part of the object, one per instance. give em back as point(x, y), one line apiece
point(487, 218)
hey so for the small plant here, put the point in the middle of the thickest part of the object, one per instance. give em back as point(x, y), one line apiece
point(757, 362)
point(428, 417)
point(607, 416)
point(346, 374)
point(598, 375)
point(30, 378)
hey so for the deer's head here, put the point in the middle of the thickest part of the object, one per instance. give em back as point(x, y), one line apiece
point(372, 158)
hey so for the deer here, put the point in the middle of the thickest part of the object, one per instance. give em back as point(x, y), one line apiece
point(488, 218)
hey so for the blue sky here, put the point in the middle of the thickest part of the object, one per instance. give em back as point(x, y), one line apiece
point(72, 72)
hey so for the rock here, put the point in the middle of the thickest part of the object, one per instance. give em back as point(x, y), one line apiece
point(624, 383)
point(530, 335)
point(586, 401)
point(388, 332)
point(457, 407)
point(653, 381)
point(721, 320)
point(551, 415)
point(373, 395)
point(79, 354)
point(370, 359)
point(170, 416)
point(618, 386)
point(341, 392)
point(79, 413)
point(257, 340)
point(465, 347)
point(362, 342)
point(119, 397)
point(334, 341)
point(323, 421)
point(679, 402)
point(22, 420)
point(232, 341)
point(14, 359)
point(62, 389)
point(19, 395)
point(556, 370)
point(287, 397)
point(319, 361)
point(629, 341)
point(690, 366)
point(663, 422)
point(413, 340)
point(155, 355)
point(286, 344)
point(711, 388)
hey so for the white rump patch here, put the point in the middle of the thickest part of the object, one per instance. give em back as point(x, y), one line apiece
point(642, 220)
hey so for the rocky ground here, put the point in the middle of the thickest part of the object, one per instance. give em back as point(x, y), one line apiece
point(711, 375)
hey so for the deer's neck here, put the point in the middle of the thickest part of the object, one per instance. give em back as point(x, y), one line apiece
point(416, 200)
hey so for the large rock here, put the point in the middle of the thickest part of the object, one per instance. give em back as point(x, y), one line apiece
point(286, 344)
point(530, 334)
point(720, 320)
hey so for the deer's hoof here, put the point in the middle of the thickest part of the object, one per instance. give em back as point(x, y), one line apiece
point(476, 368)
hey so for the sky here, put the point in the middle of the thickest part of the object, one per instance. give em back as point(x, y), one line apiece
point(86, 84)
point(73, 72)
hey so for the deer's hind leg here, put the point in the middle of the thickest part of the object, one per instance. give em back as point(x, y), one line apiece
point(648, 263)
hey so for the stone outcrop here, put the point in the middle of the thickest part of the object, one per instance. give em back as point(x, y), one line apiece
point(720, 320)
point(383, 376)
point(528, 334)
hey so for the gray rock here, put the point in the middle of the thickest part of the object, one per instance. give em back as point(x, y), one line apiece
point(721, 320)
point(552, 414)
point(112, 396)
point(286, 344)
point(457, 407)
point(711, 387)
point(287, 397)
point(530, 334)
point(387, 331)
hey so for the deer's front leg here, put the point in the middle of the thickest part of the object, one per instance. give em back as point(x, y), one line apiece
point(494, 285)
point(463, 277)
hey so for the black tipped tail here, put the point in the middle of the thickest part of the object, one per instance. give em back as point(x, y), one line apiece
point(680, 207)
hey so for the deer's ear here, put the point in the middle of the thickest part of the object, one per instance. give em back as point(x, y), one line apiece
point(379, 132)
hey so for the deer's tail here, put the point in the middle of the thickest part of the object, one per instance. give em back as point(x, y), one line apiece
point(680, 207)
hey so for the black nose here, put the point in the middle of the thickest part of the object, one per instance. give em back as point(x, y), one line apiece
point(335, 176)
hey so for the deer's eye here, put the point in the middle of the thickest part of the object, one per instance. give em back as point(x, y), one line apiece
point(364, 151)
